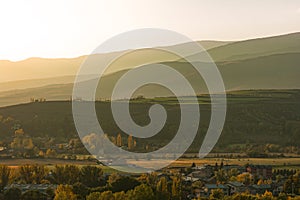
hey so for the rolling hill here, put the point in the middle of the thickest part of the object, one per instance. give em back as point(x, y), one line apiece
point(253, 117)
point(261, 77)
point(34, 83)
point(240, 50)
point(45, 68)
point(264, 63)
point(279, 71)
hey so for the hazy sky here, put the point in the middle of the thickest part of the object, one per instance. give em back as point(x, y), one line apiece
point(57, 28)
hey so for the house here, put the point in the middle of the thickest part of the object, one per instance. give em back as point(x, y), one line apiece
point(239, 168)
point(2, 149)
point(207, 189)
point(259, 189)
point(236, 187)
point(277, 189)
point(260, 171)
point(190, 178)
point(163, 175)
point(26, 187)
point(203, 173)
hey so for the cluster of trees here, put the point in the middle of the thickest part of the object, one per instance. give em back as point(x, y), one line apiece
point(24, 145)
point(6, 124)
point(255, 150)
point(42, 99)
point(292, 184)
point(88, 182)
point(16, 194)
point(283, 172)
point(140, 192)
point(119, 141)
point(27, 145)
point(270, 150)
point(91, 176)
point(219, 194)
point(289, 177)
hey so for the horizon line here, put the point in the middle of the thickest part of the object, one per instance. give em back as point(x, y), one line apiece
point(208, 40)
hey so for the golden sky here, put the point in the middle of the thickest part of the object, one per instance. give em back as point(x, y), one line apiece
point(57, 28)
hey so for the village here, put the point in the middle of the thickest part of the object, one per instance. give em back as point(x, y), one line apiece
point(217, 181)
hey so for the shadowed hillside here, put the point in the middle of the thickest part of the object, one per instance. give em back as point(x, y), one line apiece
point(253, 117)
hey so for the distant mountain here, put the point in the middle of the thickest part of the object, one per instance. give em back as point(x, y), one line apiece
point(264, 63)
point(240, 50)
point(38, 68)
point(34, 83)
point(44, 68)
point(206, 44)
point(279, 71)
point(220, 51)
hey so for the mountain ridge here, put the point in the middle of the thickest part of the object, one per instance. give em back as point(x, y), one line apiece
point(265, 72)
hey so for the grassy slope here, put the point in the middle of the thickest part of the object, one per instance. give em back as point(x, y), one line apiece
point(38, 68)
point(269, 72)
point(41, 68)
point(34, 83)
point(263, 116)
point(255, 47)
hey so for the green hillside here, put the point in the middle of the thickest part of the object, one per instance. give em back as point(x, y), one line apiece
point(289, 43)
point(278, 71)
point(34, 83)
point(253, 117)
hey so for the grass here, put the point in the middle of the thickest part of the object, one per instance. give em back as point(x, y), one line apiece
point(277, 163)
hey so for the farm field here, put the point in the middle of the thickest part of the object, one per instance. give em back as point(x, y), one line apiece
point(282, 163)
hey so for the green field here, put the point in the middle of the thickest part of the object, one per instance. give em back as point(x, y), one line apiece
point(276, 163)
